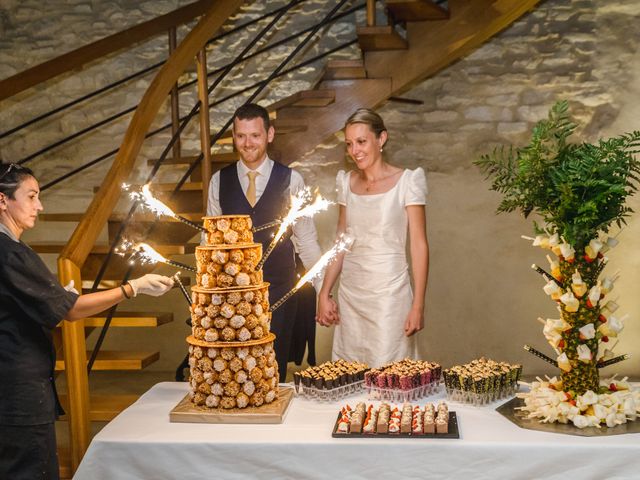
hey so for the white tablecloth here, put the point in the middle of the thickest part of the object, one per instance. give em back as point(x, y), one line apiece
point(141, 443)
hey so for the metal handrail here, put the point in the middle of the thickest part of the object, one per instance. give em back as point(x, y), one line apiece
point(214, 72)
point(211, 105)
point(152, 174)
point(260, 86)
point(132, 76)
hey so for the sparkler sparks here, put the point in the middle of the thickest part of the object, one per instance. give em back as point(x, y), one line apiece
point(146, 254)
point(342, 244)
point(297, 211)
point(146, 198)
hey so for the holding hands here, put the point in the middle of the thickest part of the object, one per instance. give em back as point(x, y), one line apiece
point(327, 314)
point(151, 284)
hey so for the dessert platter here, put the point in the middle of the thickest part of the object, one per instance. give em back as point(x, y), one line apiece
point(553, 178)
point(232, 362)
point(403, 381)
point(391, 421)
point(330, 381)
point(481, 381)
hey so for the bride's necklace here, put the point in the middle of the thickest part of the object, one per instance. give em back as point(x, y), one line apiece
point(370, 184)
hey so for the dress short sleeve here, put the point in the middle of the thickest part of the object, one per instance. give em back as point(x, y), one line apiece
point(416, 188)
point(341, 178)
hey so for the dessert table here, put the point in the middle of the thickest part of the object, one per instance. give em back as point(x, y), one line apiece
point(141, 443)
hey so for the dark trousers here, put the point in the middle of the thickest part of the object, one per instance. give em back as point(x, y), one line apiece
point(28, 452)
point(282, 322)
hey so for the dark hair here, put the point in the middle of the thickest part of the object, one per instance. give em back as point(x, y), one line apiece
point(249, 111)
point(11, 176)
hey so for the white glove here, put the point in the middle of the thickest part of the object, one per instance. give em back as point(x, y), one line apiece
point(70, 287)
point(151, 284)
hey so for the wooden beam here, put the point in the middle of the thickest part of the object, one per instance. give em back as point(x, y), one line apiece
point(73, 344)
point(205, 133)
point(83, 55)
point(175, 96)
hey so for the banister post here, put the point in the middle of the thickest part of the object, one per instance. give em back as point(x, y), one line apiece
point(371, 13)
point(175, 104)
point(75, 365)
point(205, 127)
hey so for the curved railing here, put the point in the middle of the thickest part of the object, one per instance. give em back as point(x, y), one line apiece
point(84, 237)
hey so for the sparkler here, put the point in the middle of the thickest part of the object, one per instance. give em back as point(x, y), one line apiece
point(541, 355)
point(546, 275)
point(296, 212)
point(176, 278)
point(145, 197)
point(266, 226)
point(146, 254)
point(619, 358)
point(343, 244)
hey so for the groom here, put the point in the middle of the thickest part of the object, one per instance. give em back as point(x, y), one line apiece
point(259, 187)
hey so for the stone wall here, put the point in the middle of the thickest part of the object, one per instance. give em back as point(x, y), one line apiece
point(482, 299)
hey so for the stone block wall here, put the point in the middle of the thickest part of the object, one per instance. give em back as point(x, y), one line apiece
point(482, 299)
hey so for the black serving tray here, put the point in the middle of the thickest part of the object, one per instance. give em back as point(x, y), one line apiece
point(454, 431)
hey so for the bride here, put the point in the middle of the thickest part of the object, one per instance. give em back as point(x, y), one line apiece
point(378, 312)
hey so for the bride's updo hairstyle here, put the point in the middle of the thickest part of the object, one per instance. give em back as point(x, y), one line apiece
point(368, 117)
point(11, 176)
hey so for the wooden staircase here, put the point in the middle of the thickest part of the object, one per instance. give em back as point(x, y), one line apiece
point(394, 61)
point(421, 39)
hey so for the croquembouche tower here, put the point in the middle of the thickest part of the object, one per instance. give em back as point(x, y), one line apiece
point(231, 357)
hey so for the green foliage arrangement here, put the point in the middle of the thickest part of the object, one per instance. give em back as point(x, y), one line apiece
point(579, 189)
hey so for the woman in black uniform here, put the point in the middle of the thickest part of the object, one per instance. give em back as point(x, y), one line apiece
point(32, 303)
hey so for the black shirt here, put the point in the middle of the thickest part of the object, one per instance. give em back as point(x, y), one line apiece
point(32, 303)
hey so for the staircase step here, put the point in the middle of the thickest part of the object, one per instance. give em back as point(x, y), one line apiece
point(306, 98)
point(225, 139)
point(150, 217)
point(226, 157)
point(118, 360)
point(169, 187)
point(344, 70)
point(106, 284)
point(283, 127)
point(102, 408)
point(377, 38)
point(188, 198)
point(415, 10)
point(103, 249)
point(132, 319)
point(165, 231)
point(118, 217)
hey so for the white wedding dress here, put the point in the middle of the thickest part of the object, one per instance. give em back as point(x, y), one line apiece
point(375, 293)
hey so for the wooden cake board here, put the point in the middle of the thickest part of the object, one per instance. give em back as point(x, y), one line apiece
point(187, 412)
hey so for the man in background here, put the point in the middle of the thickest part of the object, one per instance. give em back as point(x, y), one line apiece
point(259, 187)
